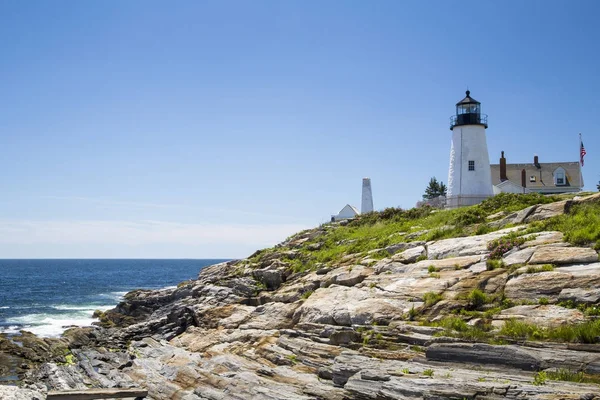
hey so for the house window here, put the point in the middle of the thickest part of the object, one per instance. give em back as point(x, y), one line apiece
point(532, 178)
point(560, 176)
point(471, 165)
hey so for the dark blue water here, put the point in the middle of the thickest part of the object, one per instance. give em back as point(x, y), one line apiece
point(45, 296)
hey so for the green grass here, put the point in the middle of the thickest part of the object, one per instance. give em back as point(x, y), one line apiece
point(580, 226)
point(533, 269)
point(377, 230)
point(457, 327)
point(567, 375)
point(586, 332)
point(588, 309)
point(428, 372)
point(514, 202)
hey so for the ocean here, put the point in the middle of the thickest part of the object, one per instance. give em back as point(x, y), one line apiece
point(46, 296)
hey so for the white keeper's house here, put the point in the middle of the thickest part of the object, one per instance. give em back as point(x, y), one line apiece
point(545, 178)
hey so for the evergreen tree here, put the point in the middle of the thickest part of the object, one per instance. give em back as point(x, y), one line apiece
point(434, 189)
point(443, 189)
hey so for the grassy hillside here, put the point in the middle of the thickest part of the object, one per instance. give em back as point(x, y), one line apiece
point(369, 234)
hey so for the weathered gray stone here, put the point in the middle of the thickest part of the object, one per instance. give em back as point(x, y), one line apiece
point(464, 246)
point(517, 256)
point(563, 255)
point(545, 211)
point(394, 248)
point(580, 295)
point(410, 255)
point(542, 315)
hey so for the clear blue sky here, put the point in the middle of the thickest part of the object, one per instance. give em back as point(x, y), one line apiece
point(210, 128)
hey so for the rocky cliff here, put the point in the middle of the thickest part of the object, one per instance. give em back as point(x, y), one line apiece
point(496, 301)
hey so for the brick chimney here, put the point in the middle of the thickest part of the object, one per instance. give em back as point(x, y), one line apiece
point(524, 177)
point(536, 162)
point(503, 176)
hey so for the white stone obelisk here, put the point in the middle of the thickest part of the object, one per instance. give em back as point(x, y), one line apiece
point(469, 174)
point(367, 197)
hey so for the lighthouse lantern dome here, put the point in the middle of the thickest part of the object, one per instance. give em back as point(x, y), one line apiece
point(468, 112)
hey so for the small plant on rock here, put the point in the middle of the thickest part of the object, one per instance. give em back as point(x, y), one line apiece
point(412, 313)
point(428, 372)
point(477, 298)
point(540, 268)
point(492, 264)
point(504, 244)
point(540, 378)
point(431, 298)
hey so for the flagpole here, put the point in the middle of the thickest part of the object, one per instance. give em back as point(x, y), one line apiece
point(580, 166)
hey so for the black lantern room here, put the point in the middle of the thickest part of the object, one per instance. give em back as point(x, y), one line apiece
point(468, 112)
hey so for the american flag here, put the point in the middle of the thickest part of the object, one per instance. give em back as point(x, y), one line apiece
point(582, 153)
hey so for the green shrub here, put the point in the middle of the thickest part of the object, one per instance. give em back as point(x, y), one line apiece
point(491, 264)
point(432, 268)
point(468, 216)
point(504, 244)
point(431, 298)
point(477, 298)
point(421, 258)
point(483, 229)
point(543, 301)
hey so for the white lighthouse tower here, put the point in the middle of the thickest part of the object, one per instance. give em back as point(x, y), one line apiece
point(366, 205)
point(469, 175)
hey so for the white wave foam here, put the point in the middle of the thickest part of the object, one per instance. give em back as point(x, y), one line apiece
point(53, 325)
point(116, 296)
point(83, 307)
point(12, 329)
point(4, 307)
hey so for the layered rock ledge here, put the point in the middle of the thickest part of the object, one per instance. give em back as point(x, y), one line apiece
point(411, 315)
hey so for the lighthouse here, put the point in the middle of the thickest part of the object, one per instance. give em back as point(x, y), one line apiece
point(469, 174)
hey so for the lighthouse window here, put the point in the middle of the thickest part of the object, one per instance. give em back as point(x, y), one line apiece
point(471, 165)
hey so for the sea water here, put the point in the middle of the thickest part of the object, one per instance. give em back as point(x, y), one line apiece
point(47, 296)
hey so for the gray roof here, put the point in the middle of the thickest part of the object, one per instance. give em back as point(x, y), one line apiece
point(544, 176)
